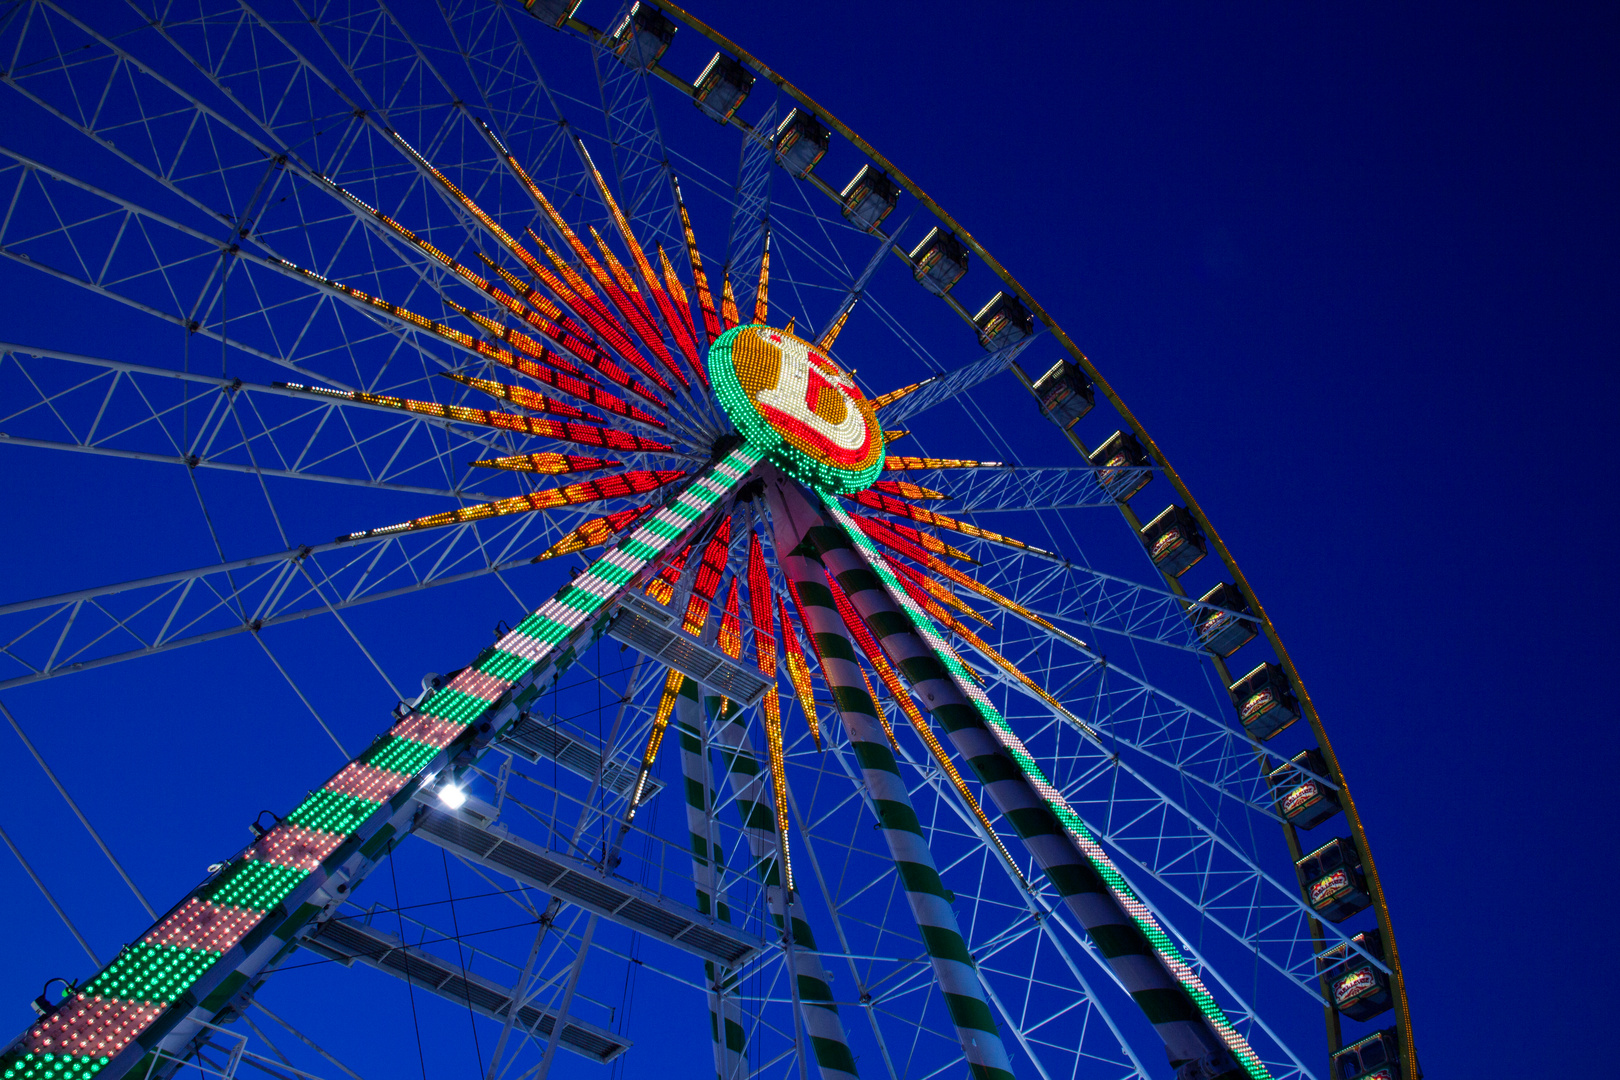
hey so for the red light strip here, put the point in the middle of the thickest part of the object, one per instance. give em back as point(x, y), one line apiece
point(888, 505)
point(550, 464)
point(524, 399)
point(638, 255)
point(562, 431)
point(635, 482)
point(627, 298)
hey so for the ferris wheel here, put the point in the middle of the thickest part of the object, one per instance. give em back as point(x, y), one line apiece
point(692, 609)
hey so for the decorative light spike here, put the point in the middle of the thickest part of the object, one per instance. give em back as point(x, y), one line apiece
point(792, 319)
point(899, 463)
point(655, 738)
point(799, 674)
point(561, 430)
point(887, 505)
point(891, 436)
point(730, 639)
point(895, 395)
point(549, 464)
point(728, 303)
point(551, 321)
point(524, 399)
point(827, 339)
point(634, 482)
point(763, 614)
point(762, 307)
point(700, 281)
point(595, 312)
point(627, 298)
point(906, 490)
point(710, 570)
point(682, 304)
point(895, 542)
point(575, 385)
point(1008, 666)
point(594, 533)
point(937, 592)
point(686, 342)
point(926, 541)
point(662, 587)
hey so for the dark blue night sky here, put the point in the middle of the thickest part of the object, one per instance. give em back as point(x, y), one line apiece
point(1354, 267)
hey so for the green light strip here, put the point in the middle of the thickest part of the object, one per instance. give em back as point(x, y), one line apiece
point(1165, 949)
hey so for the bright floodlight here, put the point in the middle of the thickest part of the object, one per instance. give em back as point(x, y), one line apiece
point(453, 796)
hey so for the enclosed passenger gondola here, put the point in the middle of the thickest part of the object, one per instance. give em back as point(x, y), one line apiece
point(1264, 701)
point(801, 143)
point(1335, 887)
point(1174, 541)
point(1224, 632)
point(1003, 321)
point(554, 13)
point(869, 197)
point(939, 261)
point(1065, 393)
point(1122, 466)
point(642, 37)
point(1359, 989)
point(1377, 1057)
point(1302, 799)
point(722, 88)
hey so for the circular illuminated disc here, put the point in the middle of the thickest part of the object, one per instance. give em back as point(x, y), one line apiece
point(788, 399)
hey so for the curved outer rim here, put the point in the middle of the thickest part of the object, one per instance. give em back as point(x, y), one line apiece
point(1352, 816)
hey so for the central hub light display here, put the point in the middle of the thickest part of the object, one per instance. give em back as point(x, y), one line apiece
point(792, 402)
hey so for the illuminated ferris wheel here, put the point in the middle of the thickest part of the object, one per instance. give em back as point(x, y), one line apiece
point(871, 696)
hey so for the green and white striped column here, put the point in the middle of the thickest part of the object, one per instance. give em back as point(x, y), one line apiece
point(954, 969)
point(752, 791)
point(1147, 963)
point(156, 994)
point(708, 868)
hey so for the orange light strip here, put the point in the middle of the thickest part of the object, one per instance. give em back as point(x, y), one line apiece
point(517, 395)
point(662, 587)
point(878, 531)
point(799, 674)
point(577, 293)
point(684, 340)
point(576, 388)
point(595, 532)
point(887, 505)
point(550, 319)
point(899, 463)
point(905, 489)
point(831, 336)
point(627, 298)
point(549, 464)
point(894, 436)
point(655, 737)
point(895, 395)
point(762, 307)
point(683, 306)
point(635, 482)
point(938, 592)
point(561, 430)
point(700, 281)
point(926, 541)
point(728, 304)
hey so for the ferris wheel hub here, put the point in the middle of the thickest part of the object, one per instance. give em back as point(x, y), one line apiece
point(790, 400)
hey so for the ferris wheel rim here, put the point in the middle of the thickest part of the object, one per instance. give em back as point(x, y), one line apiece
point(1129, 418)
